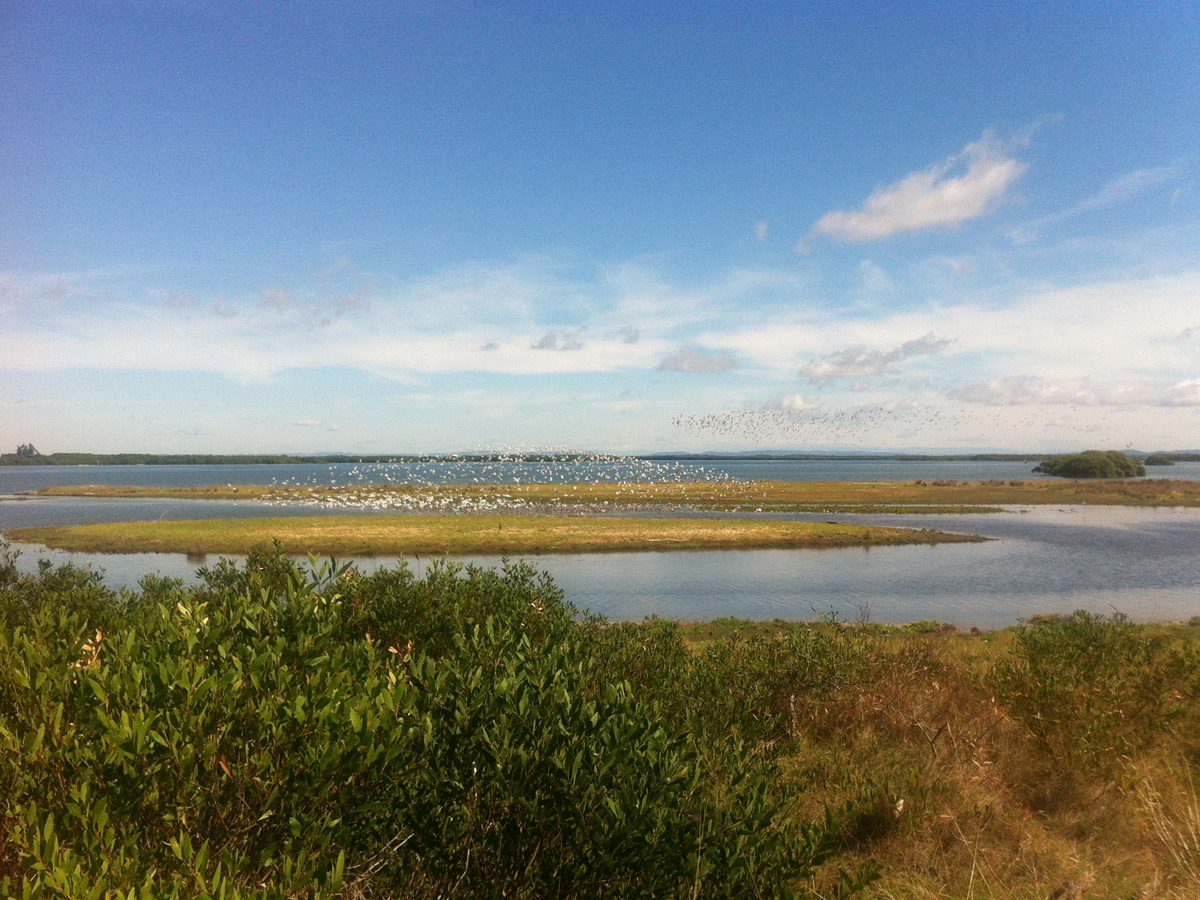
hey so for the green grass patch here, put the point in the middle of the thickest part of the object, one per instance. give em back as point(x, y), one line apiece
point(466, 535)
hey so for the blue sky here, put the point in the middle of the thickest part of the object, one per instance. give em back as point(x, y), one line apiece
point(437, 227)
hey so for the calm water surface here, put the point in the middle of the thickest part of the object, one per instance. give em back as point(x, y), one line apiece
point(14, 479)
point(1143, 562)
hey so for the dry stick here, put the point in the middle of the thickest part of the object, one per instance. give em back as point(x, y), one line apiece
point(975, 859)
point(932, 741)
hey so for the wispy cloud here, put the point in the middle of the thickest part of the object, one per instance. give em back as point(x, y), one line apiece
point(932, 197)
point(1132, 185)
point(860, 362)
point(1021, 390)
point(1122, 189)
point(694, 359)
point(641, 321)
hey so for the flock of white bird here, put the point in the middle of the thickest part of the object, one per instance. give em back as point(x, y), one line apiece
point(388, 487)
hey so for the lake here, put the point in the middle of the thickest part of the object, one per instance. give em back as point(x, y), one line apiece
point(1142, 562)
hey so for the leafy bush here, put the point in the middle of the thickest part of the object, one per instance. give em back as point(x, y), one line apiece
point(1091, 689)
point(279, 732)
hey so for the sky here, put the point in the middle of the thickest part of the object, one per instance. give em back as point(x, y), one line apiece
point(428, 227)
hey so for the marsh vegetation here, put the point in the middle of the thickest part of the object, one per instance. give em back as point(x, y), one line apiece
point(281, 730)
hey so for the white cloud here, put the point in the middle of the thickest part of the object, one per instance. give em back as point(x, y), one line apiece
point(1119, 332)
point(790, 403)
point(860, 362)
point(929, 198)
point(1022, 390)
point(694, 359)
point(1132, 327)
point(1121, 351)
point(308, 423)
point(760, 231)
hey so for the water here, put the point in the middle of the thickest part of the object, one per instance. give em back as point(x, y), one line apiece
point(1142, 562)
point(14, 479)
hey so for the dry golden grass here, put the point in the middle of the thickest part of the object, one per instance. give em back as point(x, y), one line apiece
point(471, 535)
point(951, 788)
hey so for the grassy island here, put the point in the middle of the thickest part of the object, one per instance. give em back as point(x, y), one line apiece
point(749, 496)
point(465, 535)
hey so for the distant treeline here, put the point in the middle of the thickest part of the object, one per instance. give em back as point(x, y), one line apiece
point(1172, 455)
point(171, 459)
point(209, 459)
point(843, 457)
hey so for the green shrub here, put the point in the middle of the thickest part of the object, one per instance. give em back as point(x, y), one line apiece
point(1092, 690)
point(1092, 464)
point(395, 607)
point(552, 791)
point(222, 741)
point(278, 733)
